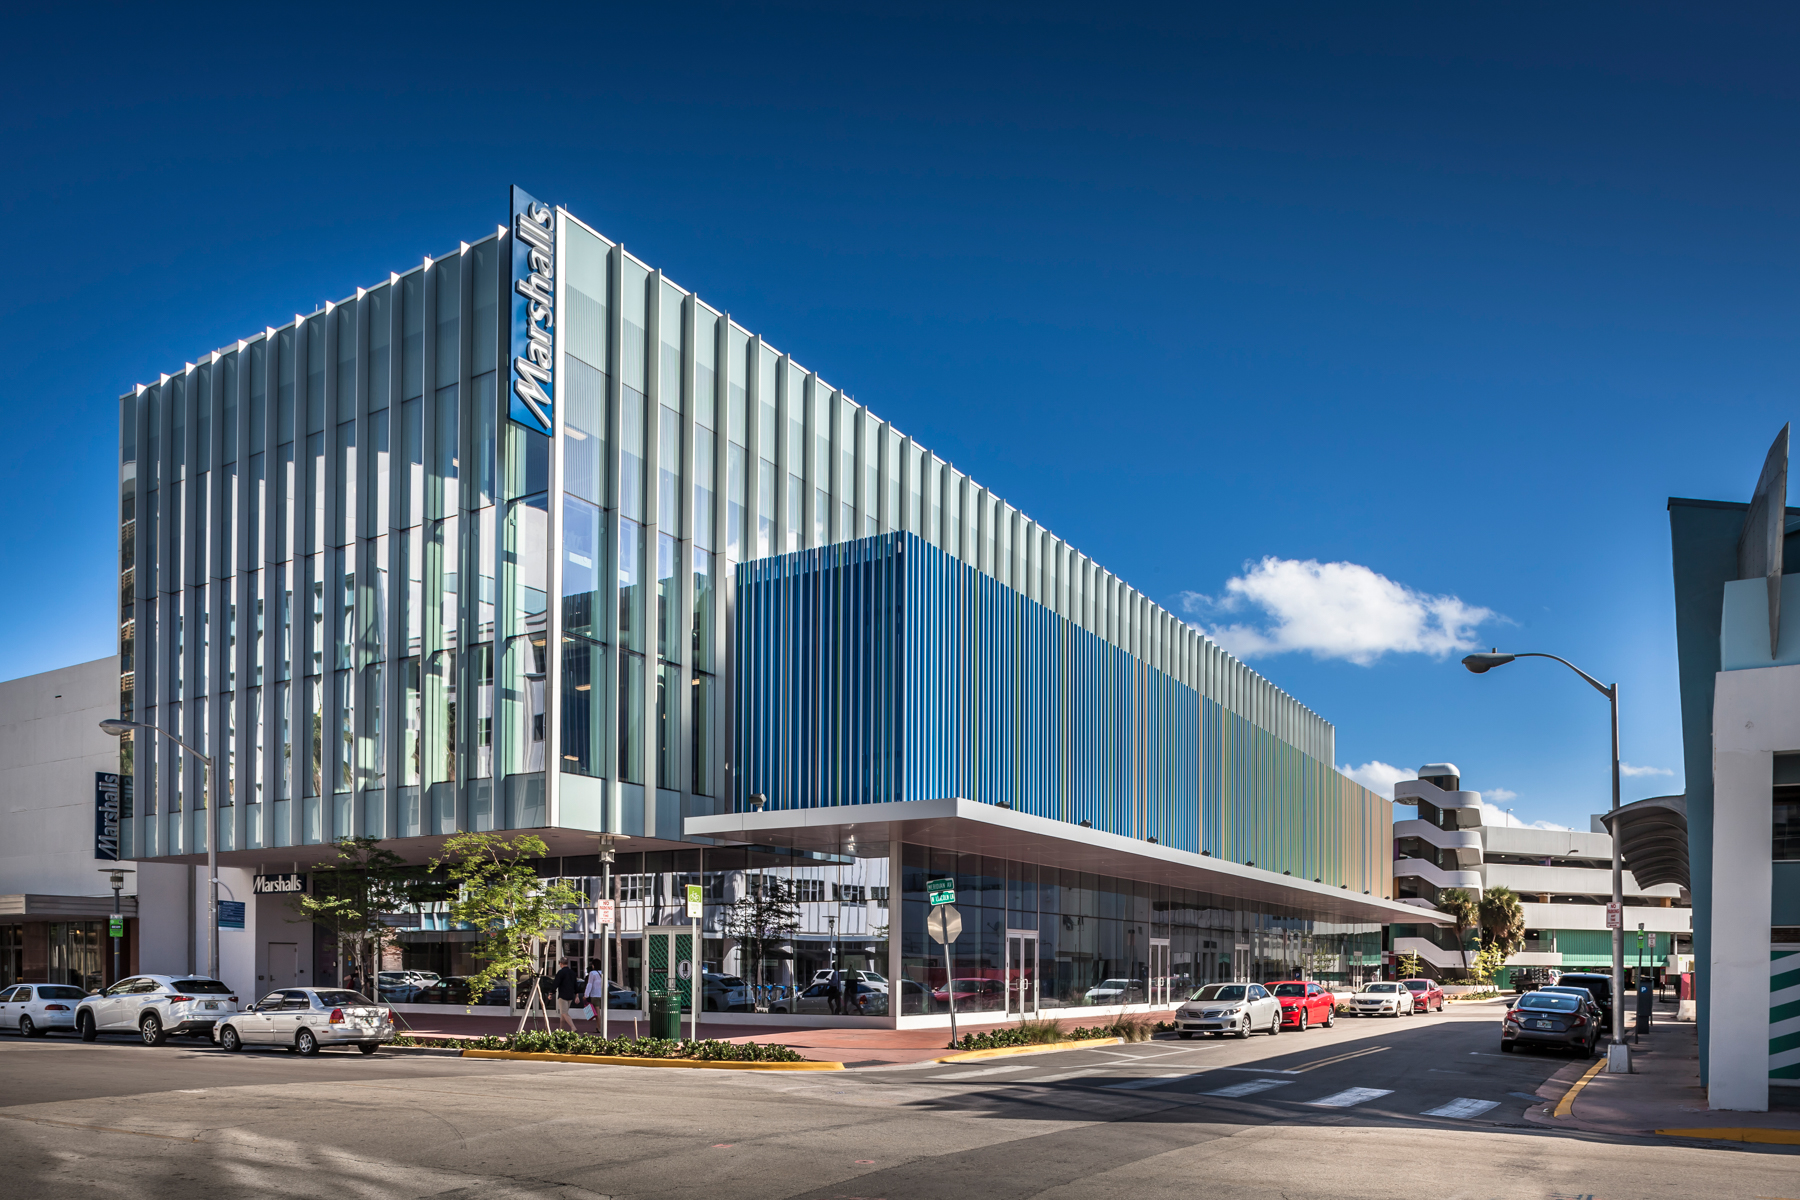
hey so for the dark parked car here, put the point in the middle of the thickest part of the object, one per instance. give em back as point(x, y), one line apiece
point(454, 989)
point(1559, 1019)
point(1599, 987)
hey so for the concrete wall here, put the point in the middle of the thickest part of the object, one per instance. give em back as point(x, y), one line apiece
point(1755, 715)
point(50, 748)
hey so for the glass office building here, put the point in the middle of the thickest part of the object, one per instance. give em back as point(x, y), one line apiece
point(356, 571)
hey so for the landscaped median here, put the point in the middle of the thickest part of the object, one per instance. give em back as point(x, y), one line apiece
point(562, 1046)
point(1044, 1037)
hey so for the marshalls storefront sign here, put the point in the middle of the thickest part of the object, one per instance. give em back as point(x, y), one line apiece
point(534, 313)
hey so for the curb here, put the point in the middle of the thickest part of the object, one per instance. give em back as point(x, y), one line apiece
point(443, 1051)
point(1009, 1051)
point(621, 1061)
point(1567, 1104)
point(1779, 1137)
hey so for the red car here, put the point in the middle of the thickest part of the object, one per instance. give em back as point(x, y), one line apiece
point(1304, 1004)
point(1426, 995)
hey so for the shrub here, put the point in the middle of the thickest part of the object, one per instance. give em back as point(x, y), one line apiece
point(561, 1041)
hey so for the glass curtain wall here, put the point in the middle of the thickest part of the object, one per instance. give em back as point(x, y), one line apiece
point(1092, 928)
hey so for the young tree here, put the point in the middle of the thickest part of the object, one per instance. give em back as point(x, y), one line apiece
point(499, 894)
point(767, 912)
point(1502, 920)
point(1411, 967)
point(1462, 909)
point(355, 895)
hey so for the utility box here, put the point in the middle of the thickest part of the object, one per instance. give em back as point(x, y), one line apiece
point(1646, 1005)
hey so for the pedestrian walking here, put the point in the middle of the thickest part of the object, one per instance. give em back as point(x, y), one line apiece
point(834, 994)
point(595, 991)
point(568, 987)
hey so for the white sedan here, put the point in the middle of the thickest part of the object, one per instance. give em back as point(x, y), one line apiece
point(1383, 1000)
point(34, 1009)
point(1235, 1008)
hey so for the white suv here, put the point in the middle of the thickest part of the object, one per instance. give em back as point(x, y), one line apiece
point(154, 1006)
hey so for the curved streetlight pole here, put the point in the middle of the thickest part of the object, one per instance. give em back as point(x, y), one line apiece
point(1618, 1057)
point(120, 728)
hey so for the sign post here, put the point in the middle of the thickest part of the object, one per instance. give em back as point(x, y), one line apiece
point(696, 904)
point(945, 925)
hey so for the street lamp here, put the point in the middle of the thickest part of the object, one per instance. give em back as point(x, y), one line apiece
point(1618, 1056)
point(120, 728)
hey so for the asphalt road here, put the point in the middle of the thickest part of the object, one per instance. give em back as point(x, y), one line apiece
point(1417, 1107)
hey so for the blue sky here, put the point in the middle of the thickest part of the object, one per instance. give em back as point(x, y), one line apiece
point(1457, 298)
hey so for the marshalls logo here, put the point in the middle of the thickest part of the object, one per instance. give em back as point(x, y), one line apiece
point(534, 313)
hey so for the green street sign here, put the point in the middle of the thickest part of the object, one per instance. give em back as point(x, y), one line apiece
point(116, 927)
point(943, 891)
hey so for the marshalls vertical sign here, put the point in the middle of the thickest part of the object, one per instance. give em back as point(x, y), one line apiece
point(107, 808)
point(533, 313)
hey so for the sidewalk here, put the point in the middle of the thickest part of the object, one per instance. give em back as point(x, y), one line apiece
point(854, 1047)
point(1662, 1092)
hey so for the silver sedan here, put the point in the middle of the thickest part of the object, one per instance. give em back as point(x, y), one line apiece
point(306, 1020)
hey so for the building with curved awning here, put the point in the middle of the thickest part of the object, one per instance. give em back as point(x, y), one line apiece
point(1653, 839)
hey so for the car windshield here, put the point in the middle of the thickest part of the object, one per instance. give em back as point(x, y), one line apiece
point(1383, 989)
point(58, 992)
point(1219, 991)
point(1115, 983)
point(1550, 1001)
point(1418, 985)
point(337, 999)
point(1290, 989)
point(201, 987)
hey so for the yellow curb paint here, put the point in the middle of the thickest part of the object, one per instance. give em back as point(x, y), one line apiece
point(1568, 1101)
point(1009, 1051)
point(1779, 1137)
point(615, 1060)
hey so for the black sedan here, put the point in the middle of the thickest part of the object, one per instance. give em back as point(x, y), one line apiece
point(1559, 1019)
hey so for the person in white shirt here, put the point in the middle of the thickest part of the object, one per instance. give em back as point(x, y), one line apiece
point(595, 991)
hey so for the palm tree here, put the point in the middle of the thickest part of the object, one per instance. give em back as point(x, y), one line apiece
point(1502, 920)
point(1463, 909)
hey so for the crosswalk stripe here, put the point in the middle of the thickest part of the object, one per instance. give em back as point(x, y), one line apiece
point(961, 1075)
point(1251, 1088)
point(1063, 1076)
point(1154, 1080)
point(1350, 1097)
point(1461, 1109)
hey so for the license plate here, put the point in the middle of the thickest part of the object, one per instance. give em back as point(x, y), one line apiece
point(1541, 1024)
point(210, 1004)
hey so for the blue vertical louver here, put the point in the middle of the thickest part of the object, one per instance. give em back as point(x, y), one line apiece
point(884, 669)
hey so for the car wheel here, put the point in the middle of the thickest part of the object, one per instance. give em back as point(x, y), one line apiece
point(151, 1030)
point(1305, 1022)
point(1330, 1017)
point(230, 1041)
point(306, 1043)
point(27, 1028)
point(1186, 1036)
point(1275, 1022)
point(84, 1025)
point(1243, 1031)
point(367, 1049)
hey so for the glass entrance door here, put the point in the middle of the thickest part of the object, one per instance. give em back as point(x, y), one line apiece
point(1159, 971)
point(1240, 963)
point(1021, 972)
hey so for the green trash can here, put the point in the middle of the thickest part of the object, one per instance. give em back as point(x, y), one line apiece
point(665, 1015)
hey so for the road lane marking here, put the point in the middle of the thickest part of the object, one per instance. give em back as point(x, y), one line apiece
point(1063, 1076)
point(1251, 1088)
point(1311, 1066)
point(1350, 1097)
point(959, 1077)
point(1155, 1080)
point(1461, 1109)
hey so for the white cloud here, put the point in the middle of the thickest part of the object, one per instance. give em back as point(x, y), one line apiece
point(1378, 777)
point(1335, 610)
point(1493, 814)
point(1630, 771)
